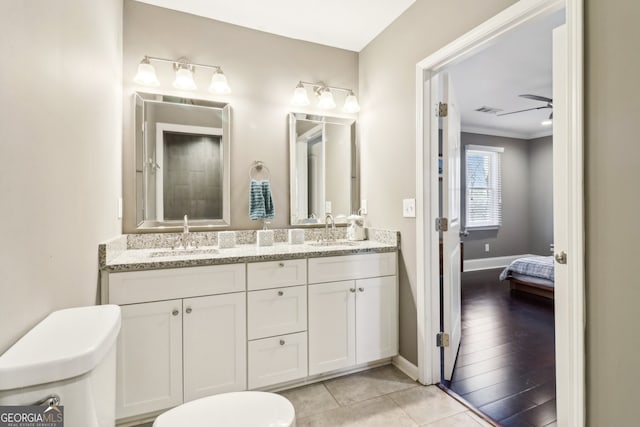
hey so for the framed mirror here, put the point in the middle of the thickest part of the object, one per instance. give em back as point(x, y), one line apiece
point(323, 179)
point(181, 162)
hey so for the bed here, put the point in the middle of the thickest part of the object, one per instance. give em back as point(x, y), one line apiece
point(534, 275)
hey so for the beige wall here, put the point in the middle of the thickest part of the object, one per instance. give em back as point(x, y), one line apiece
point(262, 69)
point(612, 67)
point(60, 156)
point(387, 124)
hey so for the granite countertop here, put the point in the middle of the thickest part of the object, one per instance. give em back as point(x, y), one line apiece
point(159, 258)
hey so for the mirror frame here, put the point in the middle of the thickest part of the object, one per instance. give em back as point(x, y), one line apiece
point(354, 182)
point(172, 225)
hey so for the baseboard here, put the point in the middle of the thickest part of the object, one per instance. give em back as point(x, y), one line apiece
point(488, 263)
point(405, 366)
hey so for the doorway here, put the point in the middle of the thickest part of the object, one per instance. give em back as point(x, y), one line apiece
point(568, 216)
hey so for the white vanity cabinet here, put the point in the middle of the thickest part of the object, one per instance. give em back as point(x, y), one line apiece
point(197, 331)
point(189, 346)
point(354, 320)
point(277, 322)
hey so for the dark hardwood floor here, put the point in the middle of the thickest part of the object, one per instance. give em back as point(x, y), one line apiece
point(506, 363)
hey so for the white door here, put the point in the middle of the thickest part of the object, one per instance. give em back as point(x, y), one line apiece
point(214, 345)
point(563, 212)
point(149, 364)
point(451, 238)
point(332, 326)
point(376, 319)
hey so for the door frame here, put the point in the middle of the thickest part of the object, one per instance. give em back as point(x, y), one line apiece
point(570, 316)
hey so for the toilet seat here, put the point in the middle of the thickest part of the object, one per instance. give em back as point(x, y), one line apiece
point(237, 409)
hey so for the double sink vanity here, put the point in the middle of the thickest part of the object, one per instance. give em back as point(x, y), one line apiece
point(197, 322)
point(211, 318)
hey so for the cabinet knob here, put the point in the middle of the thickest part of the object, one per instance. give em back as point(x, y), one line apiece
point(282, 342)
point(188, 310)
point(361, 289)
point(175, 312)
point(280, 293)
point(281, 264)
point(352, 289)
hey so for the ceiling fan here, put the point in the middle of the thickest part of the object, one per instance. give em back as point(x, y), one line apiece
point(549, 104)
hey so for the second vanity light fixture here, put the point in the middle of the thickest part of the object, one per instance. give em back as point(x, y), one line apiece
point(325, 97)
point(184, 69)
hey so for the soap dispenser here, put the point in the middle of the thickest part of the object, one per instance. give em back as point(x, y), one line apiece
point(355, 228)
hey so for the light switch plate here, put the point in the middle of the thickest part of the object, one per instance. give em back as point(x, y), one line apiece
point(409, 208)
point(327, 207)
point(363, 206)
point(119, 207)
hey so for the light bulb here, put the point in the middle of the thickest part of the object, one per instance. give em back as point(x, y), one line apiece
point(184, 79)
point(351, 104)
point(547, 122)
point(219, 83)
point(146, 74)
point(300, 97)
point(326, 101)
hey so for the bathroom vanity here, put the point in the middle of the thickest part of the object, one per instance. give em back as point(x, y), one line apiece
point(246, 318)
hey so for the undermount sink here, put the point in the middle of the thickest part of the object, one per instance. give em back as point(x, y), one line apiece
point(179, 252)
point(334, 243)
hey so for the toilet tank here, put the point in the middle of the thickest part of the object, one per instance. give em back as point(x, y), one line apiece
point(70, 354)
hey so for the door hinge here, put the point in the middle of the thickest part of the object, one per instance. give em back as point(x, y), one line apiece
point(442, 224)
point(442, 339)
point(442, 110)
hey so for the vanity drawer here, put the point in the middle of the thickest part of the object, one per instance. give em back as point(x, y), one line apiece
point(157, 285)
point(277, 359)
point(276, 274)
point(350, 267)
point(276, 311)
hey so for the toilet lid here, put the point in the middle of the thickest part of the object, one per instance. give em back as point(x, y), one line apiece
point(238, 409)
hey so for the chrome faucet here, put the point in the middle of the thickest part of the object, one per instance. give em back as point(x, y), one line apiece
point(326, 227)
point(186, 239)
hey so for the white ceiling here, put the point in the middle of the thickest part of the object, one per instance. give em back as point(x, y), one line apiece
point(518, 63)
point(349, 24)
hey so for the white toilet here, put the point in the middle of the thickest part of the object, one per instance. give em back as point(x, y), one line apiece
point(70, 355)
point(237, 409)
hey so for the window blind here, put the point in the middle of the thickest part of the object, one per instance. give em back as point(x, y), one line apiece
point(483, 186)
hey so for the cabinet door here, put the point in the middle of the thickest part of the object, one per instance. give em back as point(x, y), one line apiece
point(214, 345)
point(149, 365)
point(331, 326)
point(376, 319)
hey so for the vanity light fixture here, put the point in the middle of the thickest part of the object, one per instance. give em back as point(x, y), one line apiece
point(184, 69)
point(300, 97)
point(326, 101)
point(325, 95)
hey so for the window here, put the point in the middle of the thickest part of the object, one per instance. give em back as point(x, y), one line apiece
point(483, 195)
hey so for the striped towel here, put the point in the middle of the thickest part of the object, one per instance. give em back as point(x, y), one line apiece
point(260, 200)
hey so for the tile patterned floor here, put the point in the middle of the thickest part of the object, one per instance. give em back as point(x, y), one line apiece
point(382, 397)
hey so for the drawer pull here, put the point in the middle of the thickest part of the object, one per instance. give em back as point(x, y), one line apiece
point(282, 342)
point(175, 312)
point(281, 264)
point(188, 310)
point(352, 289)
point(280, 293)
point(361, 289)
